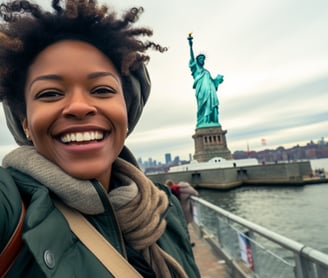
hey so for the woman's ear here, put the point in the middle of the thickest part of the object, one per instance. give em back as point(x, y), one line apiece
point(26, 130)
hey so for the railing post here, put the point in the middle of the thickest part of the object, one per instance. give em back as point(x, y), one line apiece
point(219, 232)
point(298, 266)
point(197, 218)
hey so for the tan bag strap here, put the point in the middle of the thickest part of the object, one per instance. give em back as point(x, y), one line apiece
point(96, 243)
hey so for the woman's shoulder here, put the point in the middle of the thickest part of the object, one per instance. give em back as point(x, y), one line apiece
point(10, 206)
point(175, 206)
point(8, 189)
point(164, 188)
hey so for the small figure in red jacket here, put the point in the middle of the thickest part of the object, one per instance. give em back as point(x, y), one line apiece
point(183, 191)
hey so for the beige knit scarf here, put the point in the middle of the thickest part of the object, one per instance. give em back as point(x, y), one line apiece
point(139, 204)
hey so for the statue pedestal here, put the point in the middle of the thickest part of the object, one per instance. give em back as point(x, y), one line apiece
point(210, 142)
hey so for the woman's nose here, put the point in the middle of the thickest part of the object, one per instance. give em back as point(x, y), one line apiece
point(79, 106)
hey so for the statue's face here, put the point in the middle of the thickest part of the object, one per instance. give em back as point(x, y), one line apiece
point(200, 60)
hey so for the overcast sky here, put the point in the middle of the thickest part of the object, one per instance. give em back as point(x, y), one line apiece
point(274, 58)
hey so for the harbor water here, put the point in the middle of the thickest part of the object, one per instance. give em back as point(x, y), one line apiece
point(299, 213)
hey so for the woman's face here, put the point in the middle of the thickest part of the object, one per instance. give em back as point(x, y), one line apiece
point(76, 113)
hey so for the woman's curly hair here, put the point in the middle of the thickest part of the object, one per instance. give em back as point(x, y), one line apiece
point(27, 29)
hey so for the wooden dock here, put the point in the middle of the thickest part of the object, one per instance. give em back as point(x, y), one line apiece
point(209, 264)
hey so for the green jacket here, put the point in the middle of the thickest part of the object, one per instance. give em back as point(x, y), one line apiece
point(52, 250)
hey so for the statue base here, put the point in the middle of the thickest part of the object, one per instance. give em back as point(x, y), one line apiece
point(210, 142)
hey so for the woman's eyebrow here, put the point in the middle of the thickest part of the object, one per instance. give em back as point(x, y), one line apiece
point(46, 77)
point(103, 73)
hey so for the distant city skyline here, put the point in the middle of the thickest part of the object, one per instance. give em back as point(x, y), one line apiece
point(174, 156)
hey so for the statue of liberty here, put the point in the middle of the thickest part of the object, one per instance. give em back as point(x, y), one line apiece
point(206, 87)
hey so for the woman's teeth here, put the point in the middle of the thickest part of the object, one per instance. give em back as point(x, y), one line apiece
point(82, 136)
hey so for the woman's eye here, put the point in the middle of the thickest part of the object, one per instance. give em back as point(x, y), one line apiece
point(103, 91)
point(49, 95)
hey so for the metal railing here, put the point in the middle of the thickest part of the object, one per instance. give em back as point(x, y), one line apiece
point(258, 251)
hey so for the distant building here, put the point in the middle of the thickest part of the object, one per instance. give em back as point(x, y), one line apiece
point(176, 160)
point(168, 158)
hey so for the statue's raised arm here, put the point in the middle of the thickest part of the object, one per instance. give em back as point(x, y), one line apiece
point(192, 56)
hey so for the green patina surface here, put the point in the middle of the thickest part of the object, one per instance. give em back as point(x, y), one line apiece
point(205, 90)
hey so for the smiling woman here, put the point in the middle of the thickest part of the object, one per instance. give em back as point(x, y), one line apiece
point(73, 83)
